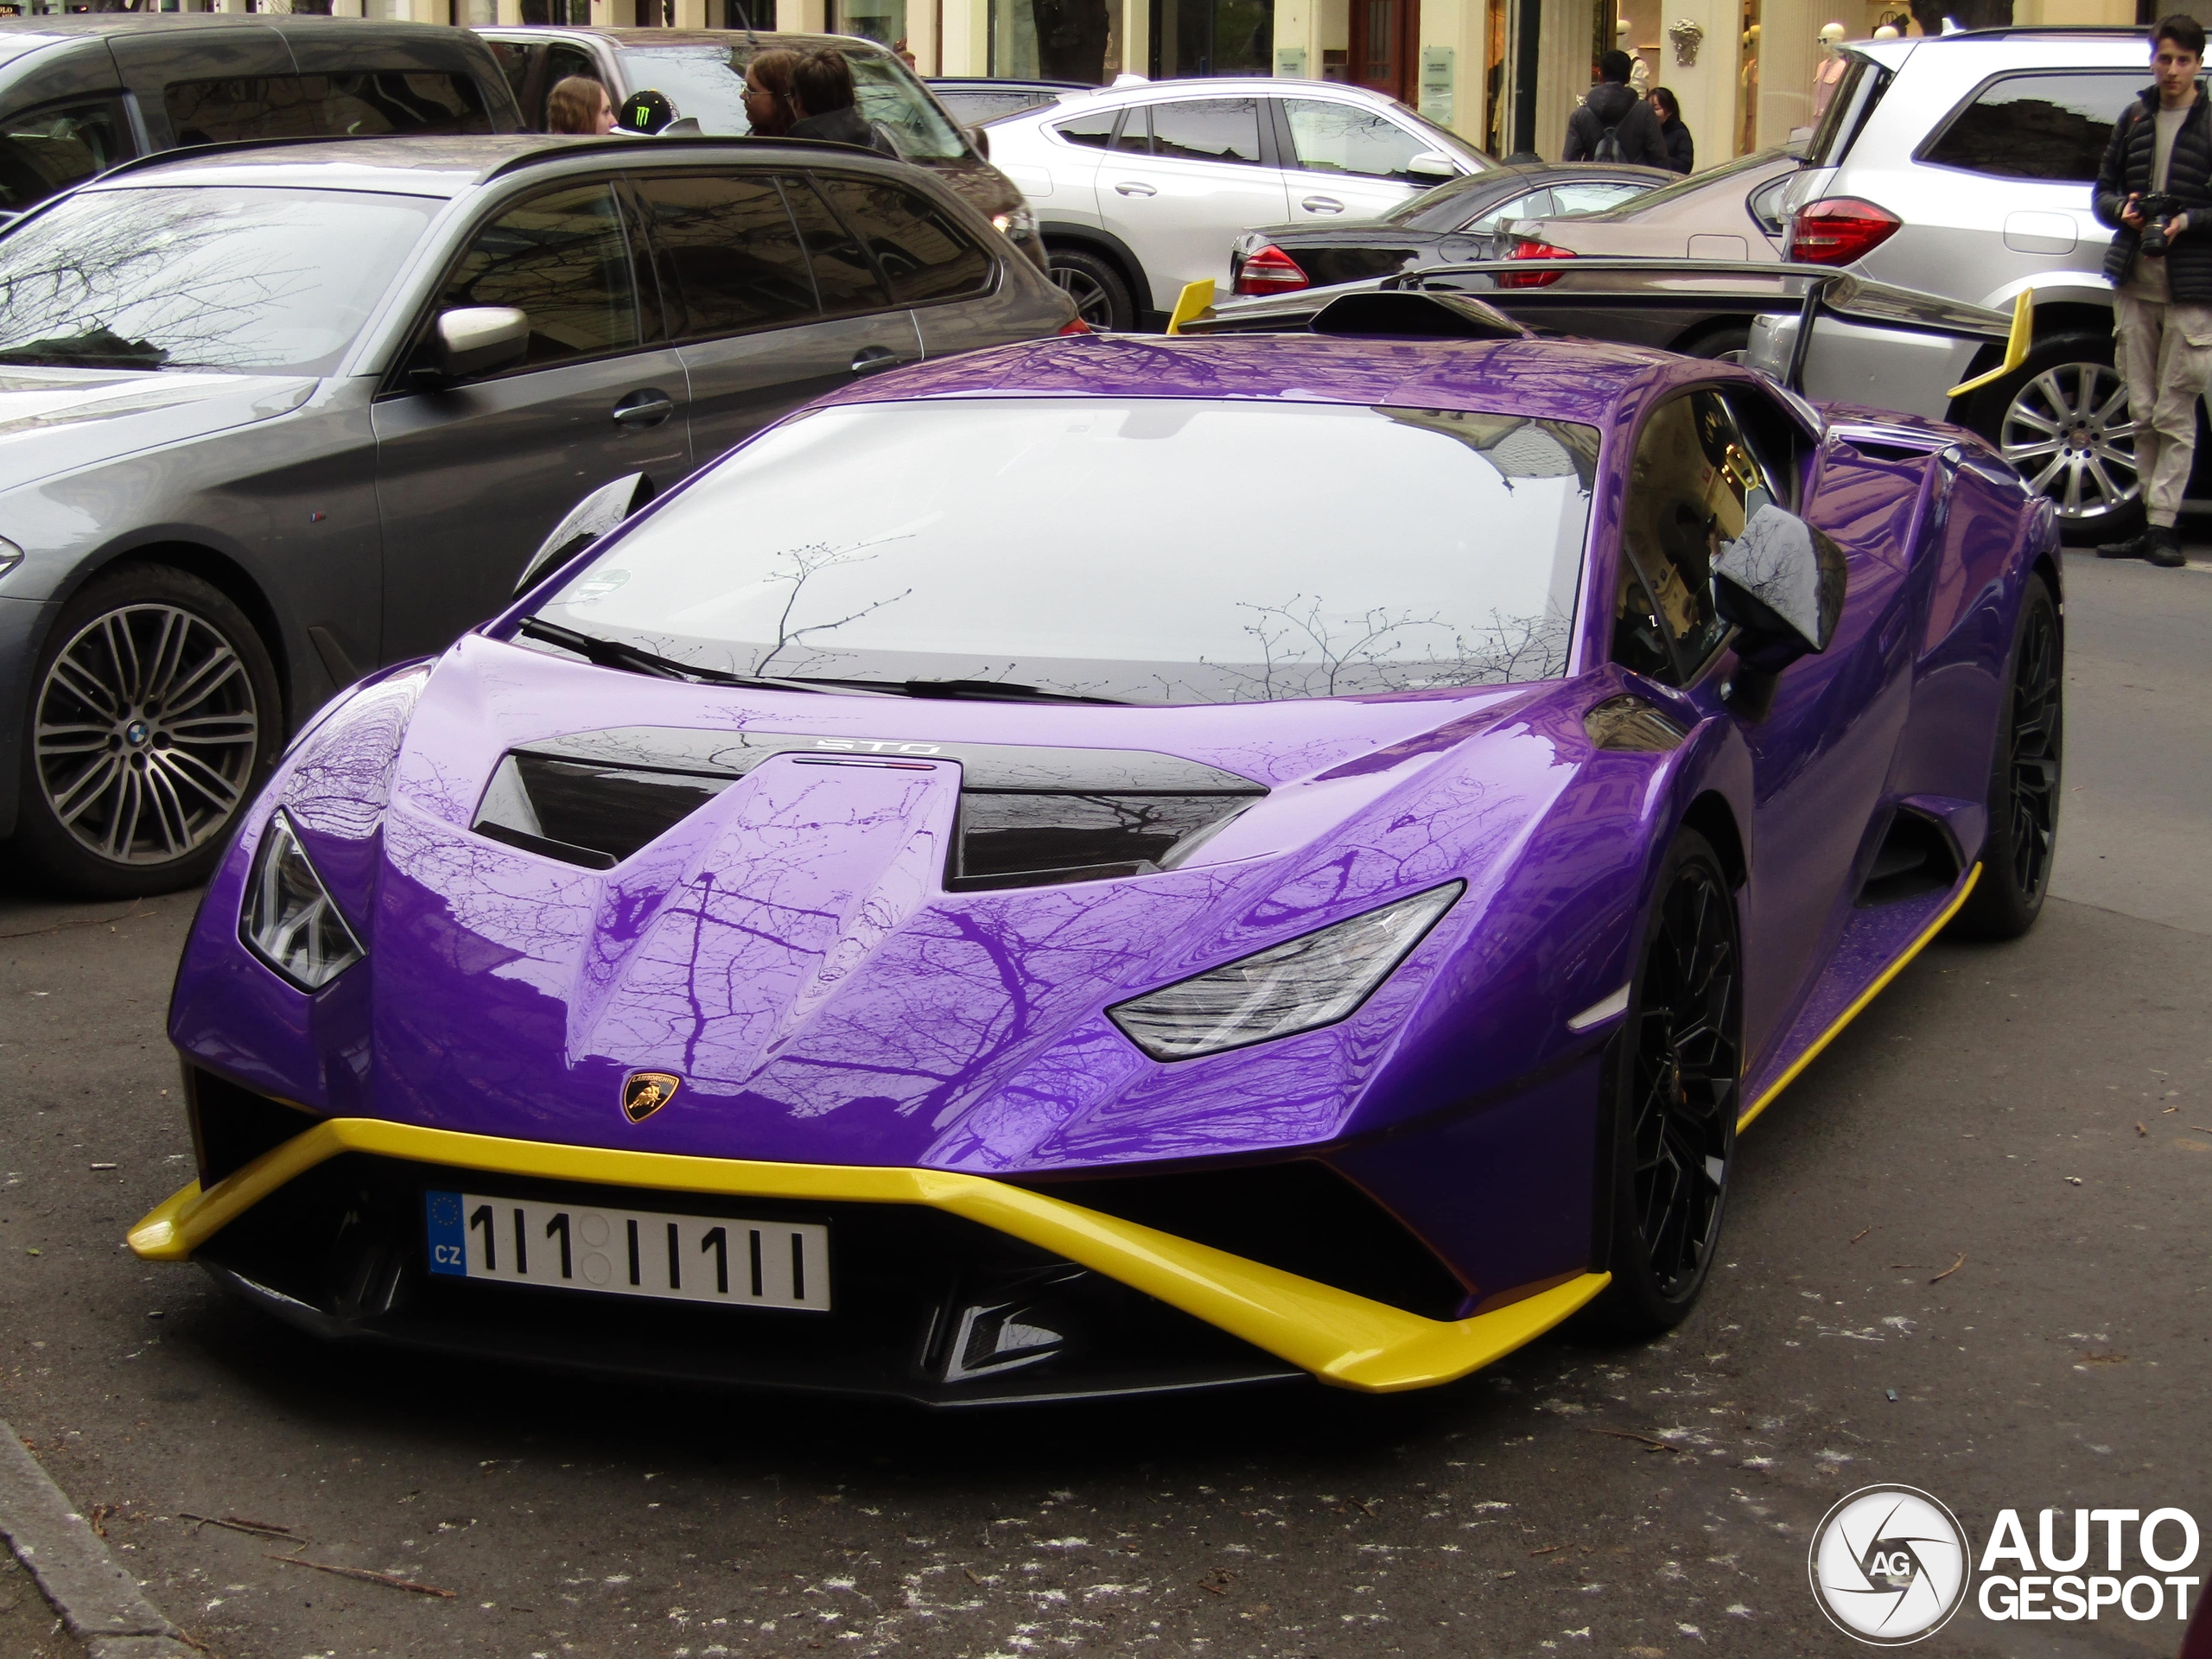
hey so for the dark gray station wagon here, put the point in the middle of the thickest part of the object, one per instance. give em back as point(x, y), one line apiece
point(273, 414)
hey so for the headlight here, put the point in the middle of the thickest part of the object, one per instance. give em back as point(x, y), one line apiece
point(10, 556)
point(1314, 980)
point(1015, 225)
point(288, 919)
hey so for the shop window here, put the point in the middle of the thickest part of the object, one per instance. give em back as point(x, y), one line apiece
point(883, 21)
point(1054, 39)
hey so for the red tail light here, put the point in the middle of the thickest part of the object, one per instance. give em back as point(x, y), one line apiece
point(1533, 250)
point(1076, 326)
point(1839, 230)
point(1270, 271)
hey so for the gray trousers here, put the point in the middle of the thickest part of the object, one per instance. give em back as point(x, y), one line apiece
point(2165, 357)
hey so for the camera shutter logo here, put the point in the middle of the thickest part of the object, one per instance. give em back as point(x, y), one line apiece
point(1889, 1564)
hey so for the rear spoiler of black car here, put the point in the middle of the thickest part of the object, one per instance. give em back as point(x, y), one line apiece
point(1605, 283)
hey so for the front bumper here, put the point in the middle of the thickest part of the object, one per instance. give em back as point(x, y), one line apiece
point(1145, 1291)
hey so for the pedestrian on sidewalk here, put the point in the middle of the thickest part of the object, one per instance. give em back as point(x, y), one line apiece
point(1613, 124)
point(2162, 146)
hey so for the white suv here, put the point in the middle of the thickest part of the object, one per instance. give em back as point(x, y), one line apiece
point(1962, 165)
point(1141, 188)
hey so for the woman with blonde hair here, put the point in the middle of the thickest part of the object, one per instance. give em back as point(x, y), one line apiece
point(579, 104)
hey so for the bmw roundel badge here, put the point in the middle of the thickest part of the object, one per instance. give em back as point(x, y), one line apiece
point(646, 1092)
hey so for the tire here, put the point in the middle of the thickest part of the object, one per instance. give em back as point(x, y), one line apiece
point(2062, 418)
point(1721, 345)
point(2026, 779)
point(1101, 296)
point(1676, 1084)
point(126, 790)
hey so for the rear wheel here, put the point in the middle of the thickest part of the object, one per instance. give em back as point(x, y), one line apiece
point(154, 714)
point(1102, 298)
point(1676, 1097)
point(1721, 345)
point(2023, 780)
point(2061, 417)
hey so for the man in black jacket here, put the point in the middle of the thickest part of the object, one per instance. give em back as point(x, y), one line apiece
point(821, 90)
point(1613, 124)
point(2161, 145)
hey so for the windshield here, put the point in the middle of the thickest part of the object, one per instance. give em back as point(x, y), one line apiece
point(707, 83)
point(243, 279)
point(938, 541)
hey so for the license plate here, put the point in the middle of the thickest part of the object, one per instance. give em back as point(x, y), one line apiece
point(630, 1252)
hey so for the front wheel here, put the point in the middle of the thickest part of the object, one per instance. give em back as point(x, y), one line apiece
point(2061, 417)
point(2024, 778)
point(1676, 1087)
point(154, 714)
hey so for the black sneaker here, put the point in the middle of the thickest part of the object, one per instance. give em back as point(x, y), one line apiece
point(2135, 547)
point(2165, 550)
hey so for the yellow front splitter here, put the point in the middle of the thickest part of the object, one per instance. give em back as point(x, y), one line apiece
point(1341, 1338)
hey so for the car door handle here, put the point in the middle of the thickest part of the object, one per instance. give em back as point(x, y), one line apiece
point(1322, 205)
point(874, 360)
point(647, 407)
point(1133, 188)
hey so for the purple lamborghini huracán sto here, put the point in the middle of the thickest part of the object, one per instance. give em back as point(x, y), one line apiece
point(1124, 863)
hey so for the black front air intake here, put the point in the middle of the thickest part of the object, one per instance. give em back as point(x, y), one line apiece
point(232, 1126)
point(1299, 1216)
point(1028, 817)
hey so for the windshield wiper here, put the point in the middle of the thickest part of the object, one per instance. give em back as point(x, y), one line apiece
point(636, 659)
point(971, 690)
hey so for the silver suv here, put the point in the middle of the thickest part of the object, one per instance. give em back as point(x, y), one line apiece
point(1962, 165)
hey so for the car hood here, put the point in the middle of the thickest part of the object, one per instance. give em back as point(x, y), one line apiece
point(789, 948)
point(62, 420)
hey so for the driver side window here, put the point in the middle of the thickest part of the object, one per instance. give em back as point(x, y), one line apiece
point(1692, 485)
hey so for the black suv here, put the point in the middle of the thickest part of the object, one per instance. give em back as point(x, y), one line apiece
point(79, 93)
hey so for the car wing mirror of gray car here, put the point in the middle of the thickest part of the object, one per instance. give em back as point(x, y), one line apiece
point(477, 339)
point(1782, 584)
point(589, 519)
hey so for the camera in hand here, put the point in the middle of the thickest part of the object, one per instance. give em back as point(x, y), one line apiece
point(2156, 210)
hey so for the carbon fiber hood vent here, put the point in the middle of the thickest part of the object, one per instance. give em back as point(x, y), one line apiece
point(1028, 817)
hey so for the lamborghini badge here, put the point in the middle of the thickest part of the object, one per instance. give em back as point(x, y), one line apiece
point(646, 1092)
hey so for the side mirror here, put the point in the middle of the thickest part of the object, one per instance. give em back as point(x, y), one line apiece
point(980, 140)
point(1782, 584)
point(474, 340)
point(1433, 164)
point(589, 519)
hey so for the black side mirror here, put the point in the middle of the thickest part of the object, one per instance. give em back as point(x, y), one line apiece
point(1782, 584)
point(589, 519)
point(477, 339)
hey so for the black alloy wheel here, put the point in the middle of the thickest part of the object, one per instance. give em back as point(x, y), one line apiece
point(2024, 776)
point(154, 716)
point(1676, 1097)
point(1102, 298)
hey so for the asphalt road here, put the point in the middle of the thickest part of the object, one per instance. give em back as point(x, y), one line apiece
point(2036, 1113)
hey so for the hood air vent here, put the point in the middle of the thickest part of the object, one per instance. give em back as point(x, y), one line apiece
point(1029, 816)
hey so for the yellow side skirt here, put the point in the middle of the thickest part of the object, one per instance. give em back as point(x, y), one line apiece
point(1341, 1338)
point(1881, 983)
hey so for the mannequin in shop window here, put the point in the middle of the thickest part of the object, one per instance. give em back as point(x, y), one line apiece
point(1829, 75)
